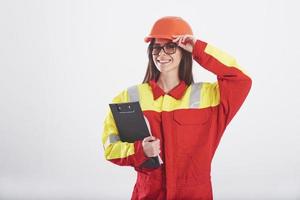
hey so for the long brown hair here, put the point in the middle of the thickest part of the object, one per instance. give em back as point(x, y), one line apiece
point(185, 67)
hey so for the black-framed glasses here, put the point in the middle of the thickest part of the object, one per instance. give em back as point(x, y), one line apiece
point(169, 48)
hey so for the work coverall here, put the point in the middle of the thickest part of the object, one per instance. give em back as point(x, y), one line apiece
point(189, 121)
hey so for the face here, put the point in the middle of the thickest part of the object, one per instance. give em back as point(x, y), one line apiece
point(166, 62)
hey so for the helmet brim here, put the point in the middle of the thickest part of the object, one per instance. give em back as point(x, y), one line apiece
point(149, 38)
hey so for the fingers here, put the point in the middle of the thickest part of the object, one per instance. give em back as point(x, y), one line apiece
point(149, 139)
point(152, 152)
point(182, 39)
point(151, 146)
point(155, 152)
point(180, 43)
point(155, 148)
point(176, 39)
point(156, 144)
point(186, 42)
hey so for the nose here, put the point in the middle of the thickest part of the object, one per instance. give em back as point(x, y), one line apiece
point(161, 50)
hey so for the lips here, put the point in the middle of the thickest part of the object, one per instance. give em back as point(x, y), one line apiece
point(164, 61)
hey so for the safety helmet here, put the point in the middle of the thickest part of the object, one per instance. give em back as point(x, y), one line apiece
point(167, 26)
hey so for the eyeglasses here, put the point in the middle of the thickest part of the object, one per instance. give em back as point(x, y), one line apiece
point(169, 48)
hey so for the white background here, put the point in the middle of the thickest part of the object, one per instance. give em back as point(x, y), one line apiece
point(63, 61)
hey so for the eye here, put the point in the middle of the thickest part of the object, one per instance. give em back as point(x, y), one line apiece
point(156, 47)
point(171, 45)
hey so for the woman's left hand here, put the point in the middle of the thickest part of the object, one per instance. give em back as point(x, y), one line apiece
point(186, 42)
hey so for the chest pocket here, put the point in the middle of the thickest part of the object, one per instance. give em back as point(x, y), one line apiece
point(191, 127)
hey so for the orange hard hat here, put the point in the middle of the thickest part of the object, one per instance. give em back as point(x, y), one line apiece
point(167, 26)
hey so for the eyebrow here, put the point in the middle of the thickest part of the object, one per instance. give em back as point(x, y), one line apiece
point(162, 43)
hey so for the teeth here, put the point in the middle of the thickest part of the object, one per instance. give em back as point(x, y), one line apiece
point(164, 61)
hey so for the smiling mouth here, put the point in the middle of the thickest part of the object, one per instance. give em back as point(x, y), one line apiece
point(163, 61)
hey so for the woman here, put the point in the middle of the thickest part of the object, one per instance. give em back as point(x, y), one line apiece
point(187, 119)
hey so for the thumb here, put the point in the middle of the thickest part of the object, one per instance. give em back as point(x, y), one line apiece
point(149, 138)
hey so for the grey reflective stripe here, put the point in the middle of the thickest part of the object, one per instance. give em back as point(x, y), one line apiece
point(133, 93)
point(112, 138)
point(195, 95)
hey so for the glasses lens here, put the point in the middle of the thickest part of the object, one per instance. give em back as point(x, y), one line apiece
point(156, 49)
point(170, 48)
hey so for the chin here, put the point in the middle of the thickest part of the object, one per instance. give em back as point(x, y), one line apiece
point(165, 69)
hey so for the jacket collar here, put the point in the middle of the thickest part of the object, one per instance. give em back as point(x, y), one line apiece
point(177, 92)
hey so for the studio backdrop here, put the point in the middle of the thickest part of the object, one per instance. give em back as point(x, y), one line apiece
point(62, 62)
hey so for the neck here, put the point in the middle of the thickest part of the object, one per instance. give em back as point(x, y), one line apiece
point(167, 82)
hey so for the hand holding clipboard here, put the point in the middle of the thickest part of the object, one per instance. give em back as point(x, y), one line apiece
point(132, 125)
point(148, 126)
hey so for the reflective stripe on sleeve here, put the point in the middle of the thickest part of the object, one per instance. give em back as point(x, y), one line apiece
point(112, 138)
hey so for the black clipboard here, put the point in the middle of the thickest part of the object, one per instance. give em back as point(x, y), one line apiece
point(132, 126)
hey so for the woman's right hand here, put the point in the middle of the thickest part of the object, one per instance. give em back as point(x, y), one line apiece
point(151, 146)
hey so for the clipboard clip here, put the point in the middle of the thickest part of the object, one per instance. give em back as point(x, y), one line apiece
point(123, 108)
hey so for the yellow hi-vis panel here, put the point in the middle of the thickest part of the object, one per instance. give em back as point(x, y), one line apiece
point(210, 95)
point(223, 57)
point(163, 103)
